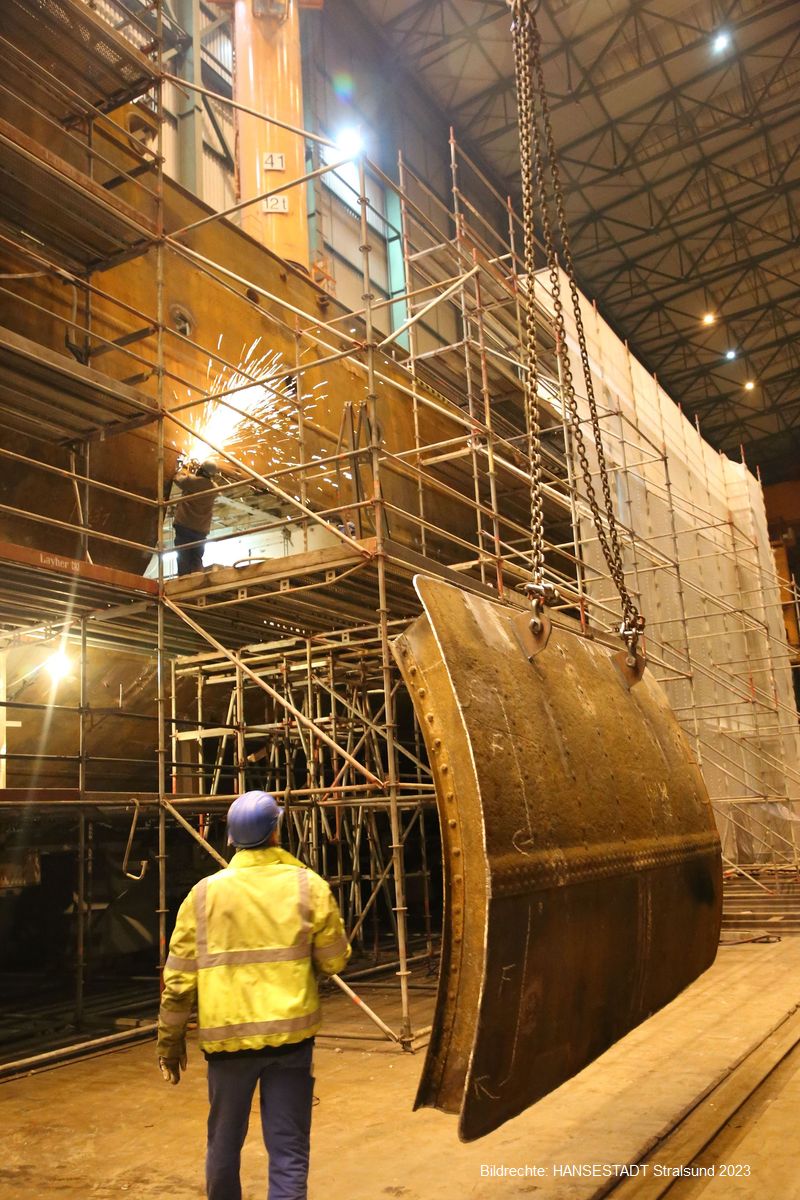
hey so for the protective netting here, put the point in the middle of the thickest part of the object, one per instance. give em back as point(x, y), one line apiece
point(698, 559)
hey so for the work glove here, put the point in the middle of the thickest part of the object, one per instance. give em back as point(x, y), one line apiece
point(171, 1068)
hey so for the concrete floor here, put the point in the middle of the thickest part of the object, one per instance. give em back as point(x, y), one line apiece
point(761, 1138)
point(108, 1126)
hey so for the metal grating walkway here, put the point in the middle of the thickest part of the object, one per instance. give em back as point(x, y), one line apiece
point(80, 59)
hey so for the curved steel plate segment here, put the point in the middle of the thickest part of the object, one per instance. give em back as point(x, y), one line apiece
point(583, 878)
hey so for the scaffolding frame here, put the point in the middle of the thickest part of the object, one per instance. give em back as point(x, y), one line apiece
point(313, 628)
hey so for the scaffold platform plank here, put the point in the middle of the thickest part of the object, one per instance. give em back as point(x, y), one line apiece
point(41, 590)
point(56, 797)
point(44, 560)
point(65, 797)
point(304, 593)
point(42, 392)
point(48, 204)
point(203, 586)
point(74, 47)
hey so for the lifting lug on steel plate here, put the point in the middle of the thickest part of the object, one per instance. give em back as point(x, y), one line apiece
point(534, 631)
point(629, 662)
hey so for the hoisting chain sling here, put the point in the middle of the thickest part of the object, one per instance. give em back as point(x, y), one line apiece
point(533, 108)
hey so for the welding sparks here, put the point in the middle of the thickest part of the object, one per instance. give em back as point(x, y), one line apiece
point(248, 406)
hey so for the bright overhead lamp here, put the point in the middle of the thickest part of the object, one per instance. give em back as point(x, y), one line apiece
point(57, 666)
point(349, 141)
point(730, 355)
point(748, 387)
point(709, 318)
point(721, 42)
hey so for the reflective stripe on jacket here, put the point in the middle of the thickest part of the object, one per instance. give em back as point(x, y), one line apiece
point(247, 945)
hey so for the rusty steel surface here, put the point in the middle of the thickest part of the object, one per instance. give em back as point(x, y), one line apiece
point(583, 882)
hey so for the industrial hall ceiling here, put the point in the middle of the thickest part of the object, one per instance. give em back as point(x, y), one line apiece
point(678, 128)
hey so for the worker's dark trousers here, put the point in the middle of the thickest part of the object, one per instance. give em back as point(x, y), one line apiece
point(287, 1087)
point(190, 558)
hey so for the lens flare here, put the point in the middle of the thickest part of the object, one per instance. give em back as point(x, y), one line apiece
point(57, 666)
point(343, 86)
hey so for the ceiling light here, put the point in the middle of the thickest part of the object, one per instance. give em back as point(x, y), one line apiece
point(709, 319)
point(57, 666)
point(721, 42)
point(730, 354)
point(748, 387)
point(350, 142)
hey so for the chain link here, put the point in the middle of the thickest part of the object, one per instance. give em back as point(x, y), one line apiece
point(530, 92)
point(523, 66)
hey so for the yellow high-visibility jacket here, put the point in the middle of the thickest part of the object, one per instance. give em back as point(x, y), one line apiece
point(247, 945)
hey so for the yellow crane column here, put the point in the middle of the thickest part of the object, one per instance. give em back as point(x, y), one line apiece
point(268, 78)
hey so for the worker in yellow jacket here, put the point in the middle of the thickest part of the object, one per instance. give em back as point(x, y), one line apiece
point(247, 946)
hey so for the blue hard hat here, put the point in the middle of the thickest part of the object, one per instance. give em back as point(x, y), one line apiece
point(252, 818)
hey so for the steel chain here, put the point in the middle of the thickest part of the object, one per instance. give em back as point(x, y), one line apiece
point(523, 64)
point(530, 89)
